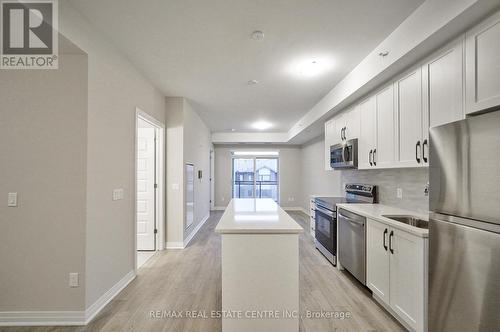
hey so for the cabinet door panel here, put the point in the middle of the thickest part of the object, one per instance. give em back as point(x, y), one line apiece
point(483, 65)
point(367, 139)
point(386, 148)
point(407, 275)
point(339, 126)
point(445, 86)
point(377, 259)
point(409, 96)
point(352, 123)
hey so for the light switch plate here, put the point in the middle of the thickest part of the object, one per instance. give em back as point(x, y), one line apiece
point(399, 193)
point(12, 199)
point(117, 194)
point(73, 280)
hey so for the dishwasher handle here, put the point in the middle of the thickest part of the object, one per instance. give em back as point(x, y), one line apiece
point(359, 221)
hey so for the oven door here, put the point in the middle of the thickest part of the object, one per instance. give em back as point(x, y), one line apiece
point(326, 229)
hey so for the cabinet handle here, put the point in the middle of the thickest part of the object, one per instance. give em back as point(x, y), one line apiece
point(423, 150)
point(417, 147)
point(385, 245)
point(390, 242)
point(345, 137)
point(374, 157)
point(342, 134)
point(370, 157)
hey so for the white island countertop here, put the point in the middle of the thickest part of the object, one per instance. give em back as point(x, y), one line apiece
point(377, 212)
point(256, 215)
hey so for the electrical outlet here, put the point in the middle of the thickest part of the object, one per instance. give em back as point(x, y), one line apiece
point(291, 199)
point(399, 193)
point(73, 279)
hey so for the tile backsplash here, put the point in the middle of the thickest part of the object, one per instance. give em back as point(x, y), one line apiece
point(412, 181)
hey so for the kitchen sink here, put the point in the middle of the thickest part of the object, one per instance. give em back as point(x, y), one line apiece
point(410, 220)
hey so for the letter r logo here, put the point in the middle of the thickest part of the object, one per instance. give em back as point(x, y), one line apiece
point(27, 27)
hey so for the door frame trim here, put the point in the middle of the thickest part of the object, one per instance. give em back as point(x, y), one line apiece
point(160, 173)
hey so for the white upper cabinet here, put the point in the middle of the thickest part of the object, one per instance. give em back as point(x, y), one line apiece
point(352, 123)
point(443, 82)
point(412, 120)
point(339, 129)
point(330, 139)
point(384, 153)
point(483, 65)
point(367, 139)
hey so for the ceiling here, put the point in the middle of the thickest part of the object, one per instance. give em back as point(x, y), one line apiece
point(203, 50)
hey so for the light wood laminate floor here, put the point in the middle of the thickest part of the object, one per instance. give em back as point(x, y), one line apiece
point(190, 279)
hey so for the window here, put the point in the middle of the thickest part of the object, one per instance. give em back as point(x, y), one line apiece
point(255, 177)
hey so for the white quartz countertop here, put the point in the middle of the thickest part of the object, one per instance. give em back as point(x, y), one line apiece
point(256, 215)
point(376, 211)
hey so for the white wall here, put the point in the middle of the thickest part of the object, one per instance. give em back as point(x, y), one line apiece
point(115, 89)
point(43, 144)
point(289, 173)
point(315, 180)
point(197, 144)
point(188, 141)
point(174, 109)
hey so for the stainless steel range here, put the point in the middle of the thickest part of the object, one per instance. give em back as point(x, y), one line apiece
point(326, 216)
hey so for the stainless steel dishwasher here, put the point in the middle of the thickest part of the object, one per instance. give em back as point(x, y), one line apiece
point(351, 241)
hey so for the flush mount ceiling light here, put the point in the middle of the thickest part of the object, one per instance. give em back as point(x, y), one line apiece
point(262, 125)
point(252, 82)
point(257, 35)
point(310, 67)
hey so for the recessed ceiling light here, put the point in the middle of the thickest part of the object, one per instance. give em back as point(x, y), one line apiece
point(310, 67)
point(232, 129)
point(257, 35)
point(262, 125)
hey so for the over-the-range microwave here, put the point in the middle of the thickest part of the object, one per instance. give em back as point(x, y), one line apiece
point(344, 155)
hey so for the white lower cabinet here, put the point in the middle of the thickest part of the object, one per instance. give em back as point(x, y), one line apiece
point(396, 272)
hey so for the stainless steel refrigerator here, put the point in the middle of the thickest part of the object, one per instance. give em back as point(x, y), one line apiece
point(464, 228)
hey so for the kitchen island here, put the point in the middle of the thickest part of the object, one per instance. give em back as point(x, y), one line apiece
point(260, 267)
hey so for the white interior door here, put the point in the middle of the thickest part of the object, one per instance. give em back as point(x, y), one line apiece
point(146, 186)
point(189, 194)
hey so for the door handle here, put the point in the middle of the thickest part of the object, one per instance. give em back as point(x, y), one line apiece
point(390, 242)
point(352, 221)
point(417, 147)
point(370, 157)
point(385, 233)
point(374, 157)
point(423, 150)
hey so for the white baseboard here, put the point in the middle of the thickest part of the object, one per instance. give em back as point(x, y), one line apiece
point(174, 245)
point(101, 302)
point(42, 318)
point(64, 318)
point(295, 208)
point(193, 233)
point(218, 208)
